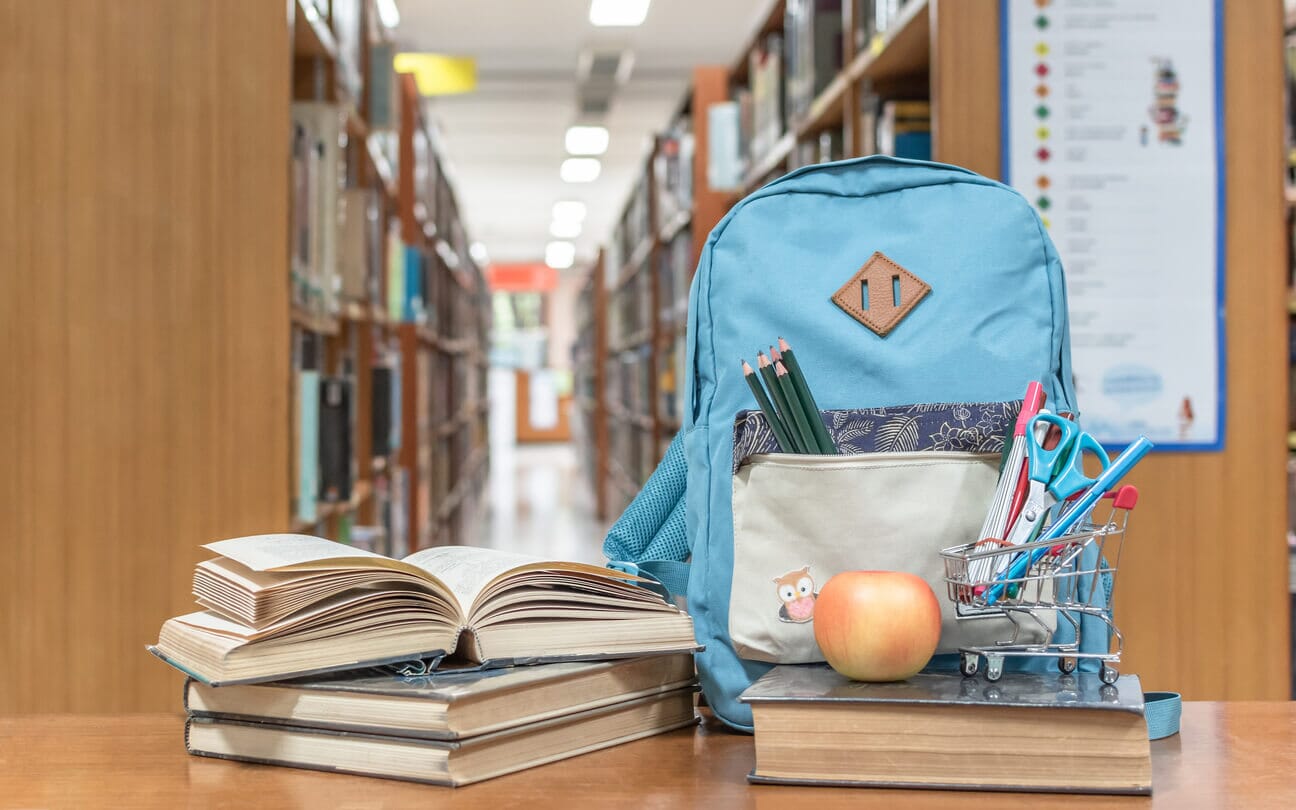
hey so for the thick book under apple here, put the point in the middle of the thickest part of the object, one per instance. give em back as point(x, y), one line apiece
point(283, 605)
point(1025, 732)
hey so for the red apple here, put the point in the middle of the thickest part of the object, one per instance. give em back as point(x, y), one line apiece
point(877, 625)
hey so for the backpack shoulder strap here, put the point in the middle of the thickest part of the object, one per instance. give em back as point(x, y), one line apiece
point(650, 538)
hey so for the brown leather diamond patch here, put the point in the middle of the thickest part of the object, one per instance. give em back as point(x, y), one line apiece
point(881, 294)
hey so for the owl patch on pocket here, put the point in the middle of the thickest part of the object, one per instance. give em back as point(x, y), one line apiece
point(796, 593)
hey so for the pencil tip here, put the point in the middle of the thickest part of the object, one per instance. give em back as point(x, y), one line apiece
point(783, 344)
point(747, 369)
point(779, 369)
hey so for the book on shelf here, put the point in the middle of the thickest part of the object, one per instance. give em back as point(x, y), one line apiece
point(305, 425)
point(765, 74)
point(383, 102)
point(443, 705)
point(724, 146)
point(813, 40)
point(673, 173)
point(395, 272)
point(357, 259)
point(442, 762)
point(413, 304)
point(874, 18)
point(904, 129)
point(398, 512)
point(305, 171)
point(283, 605)
point(336, 461)
point(381, 409)
point(323, 125)
point(1053, 733)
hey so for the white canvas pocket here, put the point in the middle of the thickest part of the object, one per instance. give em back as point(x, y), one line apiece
point(800, 519)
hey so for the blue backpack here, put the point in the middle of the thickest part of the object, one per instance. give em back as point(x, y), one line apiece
point(921, 299)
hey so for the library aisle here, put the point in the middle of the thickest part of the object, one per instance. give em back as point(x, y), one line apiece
point(539, 504)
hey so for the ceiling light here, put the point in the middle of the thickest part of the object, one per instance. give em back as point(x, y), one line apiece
point(478, 252)
point(388, 13)
point(569, 211)
point(618, 12)
point(580, 170)
point(565, 228)
point(587, 140)
point(560, 255)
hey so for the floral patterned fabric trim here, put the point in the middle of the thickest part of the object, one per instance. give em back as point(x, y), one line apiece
point(973, 427)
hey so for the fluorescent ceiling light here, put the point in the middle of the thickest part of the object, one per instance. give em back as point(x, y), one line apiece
point(580, 170)
point(565, 228)
point(569, 211)
point(388, 13)
point(587, 140)
point(618, 12)
point(560, 255)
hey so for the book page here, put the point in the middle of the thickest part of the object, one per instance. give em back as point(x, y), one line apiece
point(277, 552)
point(465, 570)
point(468, 571)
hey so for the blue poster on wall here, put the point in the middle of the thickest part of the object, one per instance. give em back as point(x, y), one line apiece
point(1113, 130)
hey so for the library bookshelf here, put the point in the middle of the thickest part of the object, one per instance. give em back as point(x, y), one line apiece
point(152, 320)
point(413, 320)
point(947, 52)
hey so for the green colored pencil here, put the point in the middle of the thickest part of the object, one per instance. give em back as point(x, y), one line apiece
point(767, 408)
point(822, 439)
point(780, 403)
point(794, 406)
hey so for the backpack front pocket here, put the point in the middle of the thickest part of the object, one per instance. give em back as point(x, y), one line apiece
point(800, 519)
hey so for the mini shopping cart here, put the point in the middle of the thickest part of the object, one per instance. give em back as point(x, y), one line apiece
point(1071, 579)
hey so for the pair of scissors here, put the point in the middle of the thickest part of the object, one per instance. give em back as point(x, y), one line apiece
point(1055, 474)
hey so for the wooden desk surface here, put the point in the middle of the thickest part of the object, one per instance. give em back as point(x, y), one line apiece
point(1228, 754)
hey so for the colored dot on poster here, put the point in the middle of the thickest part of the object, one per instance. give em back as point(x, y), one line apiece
point(1043, 203)
point(1043, 154)
point(1042, 91)
point(1042, 48)
point(1042, 3)
point(1041, 70)
point(1042, 181)
point(1041, 111)
point(1041, 22)
point(1048, 223)
point(1042, 133)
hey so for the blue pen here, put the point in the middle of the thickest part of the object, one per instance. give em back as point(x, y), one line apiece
point(1109, 479)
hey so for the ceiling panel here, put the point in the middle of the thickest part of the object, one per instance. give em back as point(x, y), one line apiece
point(504, 142)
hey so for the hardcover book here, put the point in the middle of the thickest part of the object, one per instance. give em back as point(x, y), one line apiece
point(441, 762)
point(335, 456)
point(443, 705)
point(287, 605)
point(1025, 732)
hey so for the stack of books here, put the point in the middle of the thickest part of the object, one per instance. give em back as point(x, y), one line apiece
point(450, 666)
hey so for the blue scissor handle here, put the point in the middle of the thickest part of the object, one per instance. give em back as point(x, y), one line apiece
point(1071, 478)
point(1039, 461)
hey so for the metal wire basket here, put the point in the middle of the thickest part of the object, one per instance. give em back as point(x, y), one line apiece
point(1069, 582)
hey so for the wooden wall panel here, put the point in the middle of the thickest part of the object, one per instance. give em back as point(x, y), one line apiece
point(144, 265)
point(966, 116)
point(1202, 592)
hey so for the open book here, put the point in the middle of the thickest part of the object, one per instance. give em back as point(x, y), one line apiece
point(286, 605)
